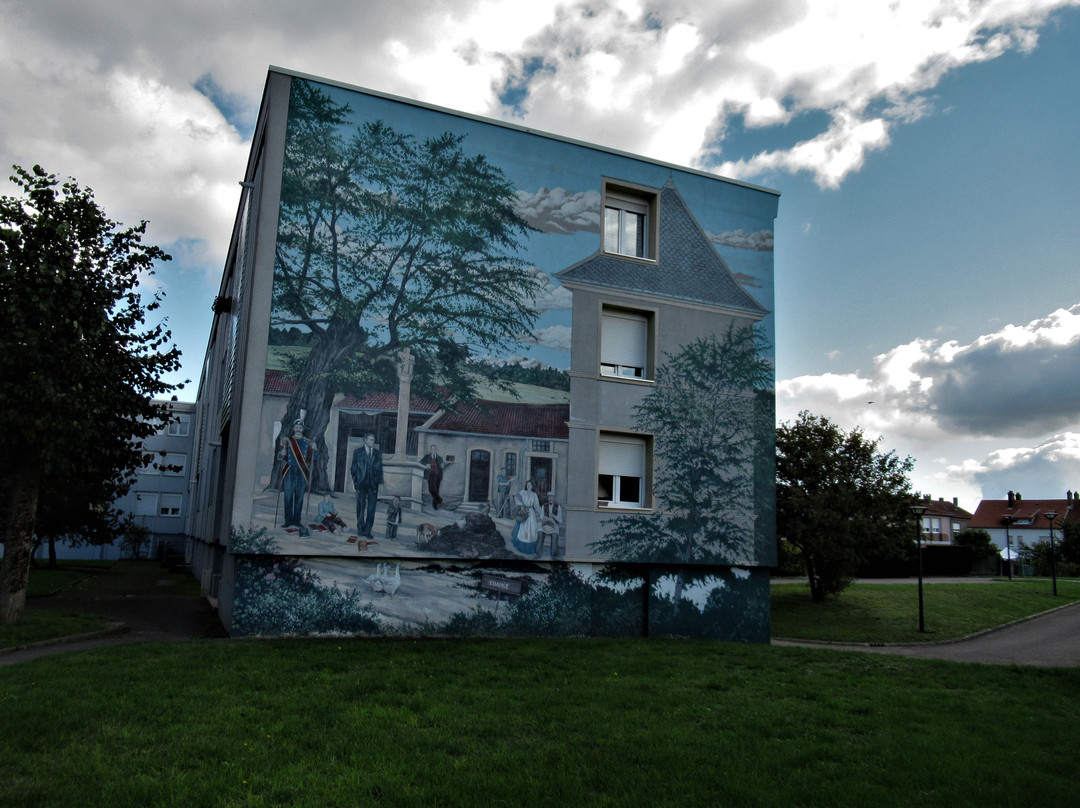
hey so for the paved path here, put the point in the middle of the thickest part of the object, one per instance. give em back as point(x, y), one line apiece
point(146, 602)
point(1049, 639)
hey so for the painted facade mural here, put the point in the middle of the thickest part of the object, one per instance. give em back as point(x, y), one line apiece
point(513, 385)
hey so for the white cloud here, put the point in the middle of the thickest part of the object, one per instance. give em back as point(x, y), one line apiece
point(553, 296)
point(1048, 469)
point(666, 81)
point(557, 210)
point(760, 241)
point(556, 337)
point(1018, 380)
point(925, 397)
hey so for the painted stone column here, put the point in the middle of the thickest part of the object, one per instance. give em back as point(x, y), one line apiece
point(403, 476)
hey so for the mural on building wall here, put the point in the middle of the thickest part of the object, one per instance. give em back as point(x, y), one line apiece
point(288, 595)
point(414, 470)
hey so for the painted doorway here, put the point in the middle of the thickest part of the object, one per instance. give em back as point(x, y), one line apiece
point(479, 475)
point(540, 469)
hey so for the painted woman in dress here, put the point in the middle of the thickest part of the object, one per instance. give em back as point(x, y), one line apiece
point(527, 530)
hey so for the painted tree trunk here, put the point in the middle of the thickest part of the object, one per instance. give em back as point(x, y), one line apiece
point(314, 394)
point(17, 513)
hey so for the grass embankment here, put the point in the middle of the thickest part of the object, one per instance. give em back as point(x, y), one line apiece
point(889, 613)
point(529, 722)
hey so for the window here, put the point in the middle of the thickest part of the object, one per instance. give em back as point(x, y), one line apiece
point(541, 446)
point(624, 343)
point(177, 460)
point(169, 504)
point(179, 427)
point(146, 503)
point(629, 218)
point(621, 474)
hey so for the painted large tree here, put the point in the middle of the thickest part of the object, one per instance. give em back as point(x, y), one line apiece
point(704, 416)
point(388, 242)
point(839, 499)
point(79, 365)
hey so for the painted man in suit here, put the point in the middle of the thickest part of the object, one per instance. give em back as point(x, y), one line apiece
point(367, 476)
point(433, 473)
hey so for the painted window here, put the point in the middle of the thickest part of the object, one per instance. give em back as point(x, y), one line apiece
point(629, 218)
point(621, 473)
point(624, 343)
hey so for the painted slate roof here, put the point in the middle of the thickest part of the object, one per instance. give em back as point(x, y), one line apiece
point(280, 383)
point(687, 267)
point(547, 421)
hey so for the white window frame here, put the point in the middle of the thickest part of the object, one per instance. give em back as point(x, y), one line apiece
point(622, 457)
point(181, 427)
point(621, 206)
point(146, 503)
point(175, 459)
point(170, 502)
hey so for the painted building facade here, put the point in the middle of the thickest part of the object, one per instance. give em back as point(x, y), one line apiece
point(470, 378)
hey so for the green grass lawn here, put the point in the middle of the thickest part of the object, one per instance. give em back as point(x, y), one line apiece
point(45, 581)
point(529, 723)
point(39, 625)
point(889, 613)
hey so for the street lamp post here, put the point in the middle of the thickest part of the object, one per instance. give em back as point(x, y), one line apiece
point(919, 510)
point(1052, 515)
point(1008, 520)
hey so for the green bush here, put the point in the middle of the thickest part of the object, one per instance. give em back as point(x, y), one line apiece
point(280, 595)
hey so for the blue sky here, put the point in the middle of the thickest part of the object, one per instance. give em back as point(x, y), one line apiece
point(927, 243)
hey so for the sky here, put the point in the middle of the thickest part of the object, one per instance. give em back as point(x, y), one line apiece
point(927, 247)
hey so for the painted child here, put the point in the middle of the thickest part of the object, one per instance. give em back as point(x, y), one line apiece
point(328, 514)
point(393, 518)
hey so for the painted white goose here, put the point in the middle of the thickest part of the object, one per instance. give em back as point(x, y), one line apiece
point(375, 578)
point(391, 583)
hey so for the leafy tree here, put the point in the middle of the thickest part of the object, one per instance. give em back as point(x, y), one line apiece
point(703, 414)
point(1070, 542)
point(384, 243)
point(79, 365)
point(136, 538)
point(982, 546)
point(79, 514)
point(837, 497)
